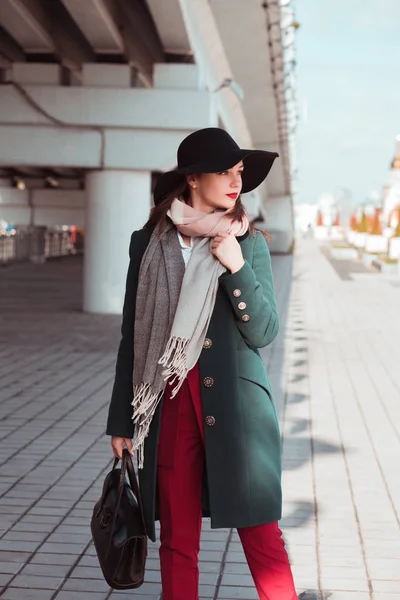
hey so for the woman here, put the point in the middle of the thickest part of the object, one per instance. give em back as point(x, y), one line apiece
point(190, 382)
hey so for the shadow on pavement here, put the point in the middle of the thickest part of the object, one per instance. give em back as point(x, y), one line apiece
point(290, 388)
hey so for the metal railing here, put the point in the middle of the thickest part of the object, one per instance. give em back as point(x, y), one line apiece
point(39, 243)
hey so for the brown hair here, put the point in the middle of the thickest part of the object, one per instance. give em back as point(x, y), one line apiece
point(158, 213)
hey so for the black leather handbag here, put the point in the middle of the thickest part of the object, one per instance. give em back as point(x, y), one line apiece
point(118, 528)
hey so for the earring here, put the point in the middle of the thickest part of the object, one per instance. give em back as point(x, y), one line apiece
point(194, 186)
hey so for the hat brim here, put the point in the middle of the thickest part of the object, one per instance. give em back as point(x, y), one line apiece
point(257, 165)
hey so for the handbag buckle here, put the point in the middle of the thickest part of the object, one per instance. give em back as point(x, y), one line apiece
point(105, 517)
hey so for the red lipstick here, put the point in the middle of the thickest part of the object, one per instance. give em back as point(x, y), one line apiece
point(233, 196)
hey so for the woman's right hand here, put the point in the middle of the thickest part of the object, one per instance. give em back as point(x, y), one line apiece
point(118, 444)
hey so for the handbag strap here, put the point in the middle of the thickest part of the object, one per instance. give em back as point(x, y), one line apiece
point(134, 483)
point(126, 465)
point(105, 488)
point(120, 487)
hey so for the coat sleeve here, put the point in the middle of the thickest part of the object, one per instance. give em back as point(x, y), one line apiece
point(253, 285)
point(119, 422)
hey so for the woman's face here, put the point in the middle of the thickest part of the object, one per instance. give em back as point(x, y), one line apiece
point(211, 191)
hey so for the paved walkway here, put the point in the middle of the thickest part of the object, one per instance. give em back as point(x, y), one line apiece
point(336, 377)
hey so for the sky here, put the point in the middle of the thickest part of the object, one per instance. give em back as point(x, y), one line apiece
point(348, 87)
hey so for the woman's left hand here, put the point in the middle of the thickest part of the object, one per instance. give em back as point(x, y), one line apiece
point(227, 249)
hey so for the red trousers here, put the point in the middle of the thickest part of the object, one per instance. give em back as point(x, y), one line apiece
point(179, 474)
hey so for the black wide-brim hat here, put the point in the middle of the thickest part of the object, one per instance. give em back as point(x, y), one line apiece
point(213, 150)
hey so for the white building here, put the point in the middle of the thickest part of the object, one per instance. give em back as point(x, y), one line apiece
point(392, 192)
point(95, 97)
point(305, 216)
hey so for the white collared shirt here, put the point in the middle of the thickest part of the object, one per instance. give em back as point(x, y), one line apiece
point(186, 250)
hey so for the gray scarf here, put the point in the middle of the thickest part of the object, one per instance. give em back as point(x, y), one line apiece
point(173, 311)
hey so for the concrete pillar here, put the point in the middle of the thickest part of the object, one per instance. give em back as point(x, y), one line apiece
point(278, 216)
point(118, 202)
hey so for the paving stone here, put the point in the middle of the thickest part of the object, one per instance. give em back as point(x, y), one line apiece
point(47, 520)
point(213, 545)
point(6, 545)
point(350, 585)
point(13, 593)
point(92, 561)
point(209, 567)
point(206, 591)
point(155, 576)
point(240, 580)
point(38, 582)
point(5, 578)
point(125, 594)
point(241, 593)
point(45, 570)
point(70, 538)
point(21, 536)
point(68, 595)
point(10, 567)
point(210, 556)
point(32, 527)
point(235, 557)
point(59, 548)
point(47, 511)
point(81, 585)
point(337, 595)
point(209, 579)
point(72, 530)
point(54, 559)
point(237, 568)
point(92, 572)
point(16, 510)
point(384, 585)
point(13, 557)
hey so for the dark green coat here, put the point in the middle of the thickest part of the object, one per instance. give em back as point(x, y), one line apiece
point(242, 478)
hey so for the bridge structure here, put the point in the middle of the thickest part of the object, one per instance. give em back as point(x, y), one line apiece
point(95, 97)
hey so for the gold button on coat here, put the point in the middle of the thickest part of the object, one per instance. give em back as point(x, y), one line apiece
point(207, 343)
point(210, 420)
point(208, 381)
point(245, 318)
point(237, 293)
point(242, 305)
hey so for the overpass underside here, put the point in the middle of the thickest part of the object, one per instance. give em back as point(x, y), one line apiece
point(95, 97)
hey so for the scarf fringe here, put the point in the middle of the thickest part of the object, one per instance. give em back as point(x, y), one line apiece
point(145, 402)
point(174, 359)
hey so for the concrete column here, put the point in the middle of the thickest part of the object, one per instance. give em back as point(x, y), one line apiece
point(118, 202)
point(278, 216)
